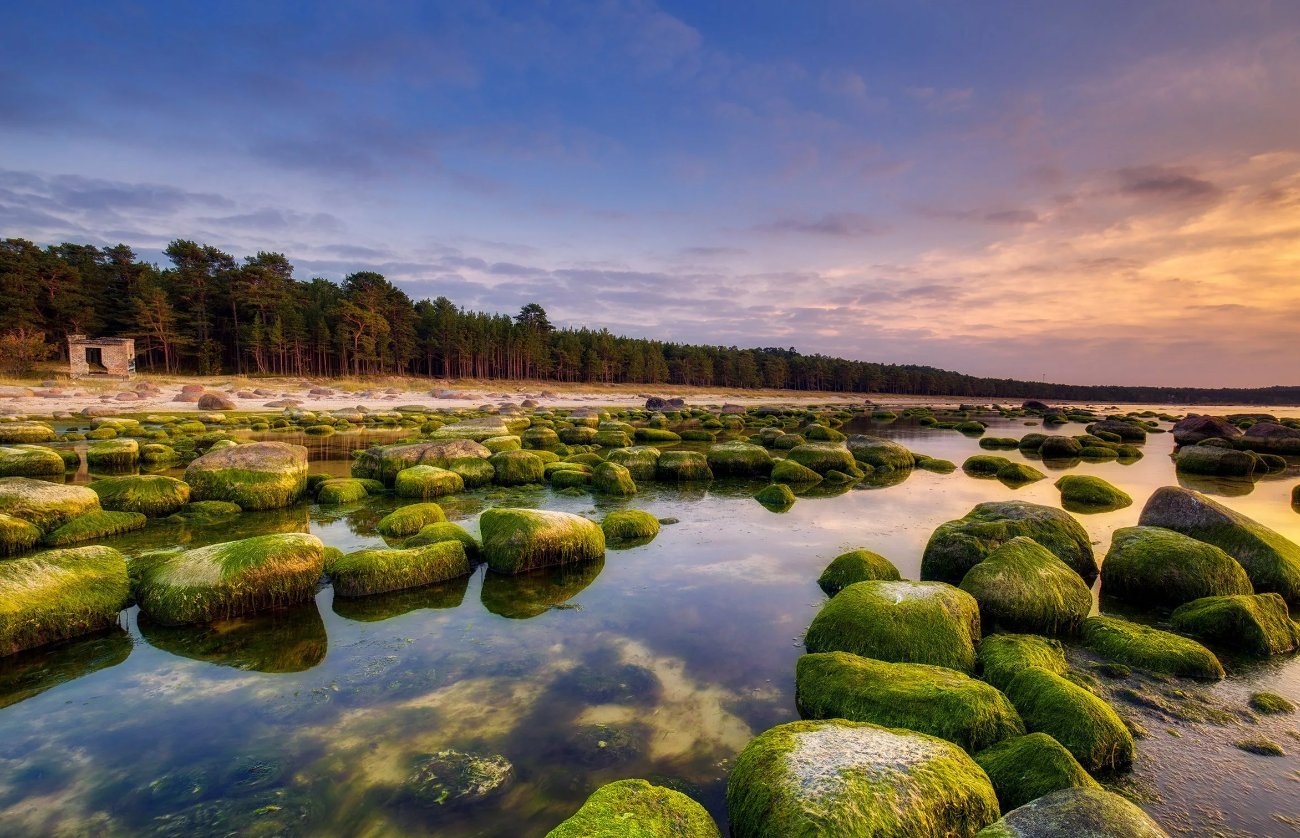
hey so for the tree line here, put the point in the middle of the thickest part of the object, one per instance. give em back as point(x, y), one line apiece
point(209, 312)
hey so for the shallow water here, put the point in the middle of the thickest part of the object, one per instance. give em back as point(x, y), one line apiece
point(660, 661)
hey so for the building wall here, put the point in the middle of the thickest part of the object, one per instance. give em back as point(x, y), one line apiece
point(117, 356)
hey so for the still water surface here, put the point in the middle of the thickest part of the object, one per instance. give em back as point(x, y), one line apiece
point(660, 661)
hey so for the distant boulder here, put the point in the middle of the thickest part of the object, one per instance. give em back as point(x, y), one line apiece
point(1194, 429)
point(216, 401)
point(1034, 404)
point(1272, 438)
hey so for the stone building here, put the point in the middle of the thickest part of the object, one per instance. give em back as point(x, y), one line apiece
point(102, 358)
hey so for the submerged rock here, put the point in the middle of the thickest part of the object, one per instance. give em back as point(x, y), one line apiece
point(929, 699)
point(1079, 813)
point(455, 778)
point(366, 572)
point(856, 566)
point(518, 540)
point(630, 525)
point(1022, 587)
point(838, 777)
point(1257, 624)
point(228, 579)
point(1025, 768)
point(1087, 726)
point(903, 622)
point(957, 546)
point(151, 494)
point(259, 475)
point(1271, 561)
point(1153, 565)
point(59, 594)
point(1150, 649)
point(616, 808)
point(777, 497)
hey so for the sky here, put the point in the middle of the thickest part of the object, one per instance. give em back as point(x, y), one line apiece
point(1084, 192)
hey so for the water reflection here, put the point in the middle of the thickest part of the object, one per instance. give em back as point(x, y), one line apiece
point(1228, 487)
point(370, 609)
point(528, 595)
point(283, 640)
point(32, 672)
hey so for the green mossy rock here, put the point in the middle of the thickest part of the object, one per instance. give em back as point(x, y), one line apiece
point(367, 572)
point(994, 443)
point(1215, 461)
point(445, 531)
point(46, 505)
point(928, 699)
point(474, 471)
point(1150, 649)
point(16, 535)
point(612, 439)
point(792, 474)
point(227, 580)
point(901, 622)
point(630, 525)
point(683, 466)
point(739, 459)
point(656, 435)
point(157, 454)
point(499, 444)
point(341, 490)
point(1025, 768)
point(1088, 727)
point(776, 496)
point(984, 465)
point(475, 430)
point(409, 520)
point(59, 594)
point(612, 479)
point(1256, 624)
point(1019, 474)
point(1004, 656)
point(1022, 587)
point(516, 468)
point(151, 494)
point(812, 779)
point(204, 512)
point(1079, 812)
point(519, 540)
point(92, 525)
point(31, 461)
point(1154, 566)
point(637, 809)
point(545, 439)
point(12, 433)
point(1059, 448)
point(1271, 561)
point(425, 482)
point(935, 465)
point(880, 454)
point(385, 461)
point(570, 479)
point(641, 461)
point(113, 454)
point(259, 475)
point(823, 457)
point(1270, 704)
point(856, 566)
point(1083, 492)
point(957, 546)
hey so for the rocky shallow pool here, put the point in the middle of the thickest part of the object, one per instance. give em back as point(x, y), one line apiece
point(494, 705)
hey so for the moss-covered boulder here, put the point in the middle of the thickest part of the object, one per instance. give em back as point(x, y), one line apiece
point(259, 475)
point(739, 459)
point(984, 465)
point(1025, 768)
point(409, 520)
point(497, 444)
point(1087, 726)
point(612, 479)
point(93, 525)
point(792, 474)
point(1019, 474)
point(928, 699)
point(633, 808)
point(822, 457)
point(1059, 448)
point(776, 496)
point(1215, 461)
point(341, 490)
point(1156, 566)
point(516, 468)
point(474, 471)
point(479, 429)
point(957, 546)
point(902, 622)
point(59, 594)
point(367, 572)
point(1022, 587)
point(151, 494)
point(630, 525)
point(1079, 812)
point(113, 454)
point(1271, 561)
point(46, 505)
point(228, 579)
point(385, 461)
point(17, 535)
point(30, 461)
point(683, 466)
point(836, 777)
point(157, 454)
point(881, 454)
point(12, 433)
point(856, 566)
point(1256, 624)
point(1150, 649)
point(1004, 656)
point(519, 540)
point(641, 461)
point(425, 482)
point(541, 438)
point(1085, 493)
point(445, 531)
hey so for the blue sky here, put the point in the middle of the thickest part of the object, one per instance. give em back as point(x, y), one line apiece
point(1090, 191)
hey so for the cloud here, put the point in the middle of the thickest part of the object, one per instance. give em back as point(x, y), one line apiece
point(838, 224)
point(1166, 184)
